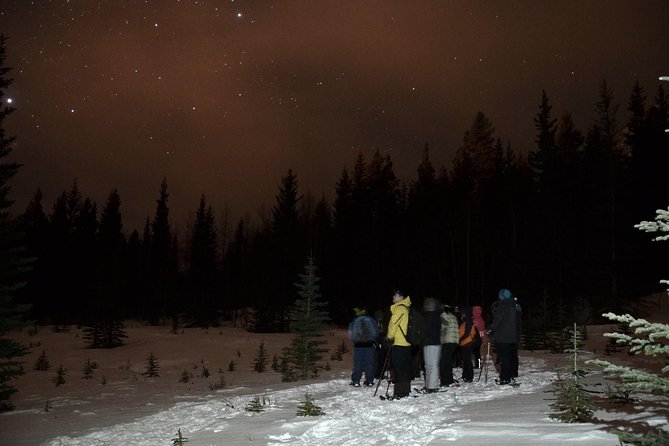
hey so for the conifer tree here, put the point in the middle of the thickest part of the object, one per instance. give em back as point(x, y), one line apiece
point(12, 255)
point(573, 404)
point(255, 405)
point(648, 339)
point(160, 260)
point(152, 366)
point(112, 285)
point(42, 363)
point(105, 334)
point(89, 367)
point(260, 361)
point(179, 440)
point(308, 408)
point(286, 245)
point(308, 319)
point(203, 271)
point(59, 379)
point(185, 376)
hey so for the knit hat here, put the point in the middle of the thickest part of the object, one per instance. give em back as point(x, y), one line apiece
point(359, 311)
point(504, 294)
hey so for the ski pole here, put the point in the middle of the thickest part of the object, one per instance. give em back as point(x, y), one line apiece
point(383, 372)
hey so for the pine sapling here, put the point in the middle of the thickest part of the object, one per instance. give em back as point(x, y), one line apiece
point(185, 376)
point(308, 408)
point(255, 405)
point(275, 363)
point(152, 366)
point(59, 379)
point(88, 368)
point(42, 363)
point(179, 440)
point(648, 339)
point(231, 366)
point(260, 361)
point(573, 403)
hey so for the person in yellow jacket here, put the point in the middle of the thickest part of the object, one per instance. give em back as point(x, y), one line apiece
point(400, 352)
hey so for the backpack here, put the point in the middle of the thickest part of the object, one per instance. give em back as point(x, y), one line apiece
point(364, 331)
point(415, 328)
point(475, 336)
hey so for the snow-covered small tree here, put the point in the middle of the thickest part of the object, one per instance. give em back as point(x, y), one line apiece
point(308, 318)
point(255, 405)
point(573, 403)
point(308, 408)
point(648, 339)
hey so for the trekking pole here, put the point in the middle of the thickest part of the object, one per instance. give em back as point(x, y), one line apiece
point(383, 372)
point(484, 364)
point(487, 357)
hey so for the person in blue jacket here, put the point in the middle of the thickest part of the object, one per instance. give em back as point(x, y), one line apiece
point(364, 332)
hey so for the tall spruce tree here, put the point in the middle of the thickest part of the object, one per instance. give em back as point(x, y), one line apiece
point(603, 162)
point(308, 319)
point(161, 277)
point(12, 255)
point(35, 226)
point(474, 166)
point(288, 249)
point(203, 266)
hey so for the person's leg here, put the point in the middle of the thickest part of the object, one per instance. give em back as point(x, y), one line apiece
point(401, 358)
point(368, 365)
point(357, 366)
point(505, 357)
point(467, 368)
point(446, 364)
point(431, 354)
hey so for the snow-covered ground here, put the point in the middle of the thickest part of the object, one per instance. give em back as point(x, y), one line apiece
point(134, 411)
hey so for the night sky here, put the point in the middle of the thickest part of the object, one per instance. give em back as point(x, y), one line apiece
point(223, 97)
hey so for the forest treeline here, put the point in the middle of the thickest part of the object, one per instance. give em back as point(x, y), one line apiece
point(555, 226)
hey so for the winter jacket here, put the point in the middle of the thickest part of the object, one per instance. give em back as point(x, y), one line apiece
point(399, 322)
point(468, 331)
point(504, 322)
point(449, 329)
point(467, 338)
point(432, 328)
point(477, 317)
point(363, 331)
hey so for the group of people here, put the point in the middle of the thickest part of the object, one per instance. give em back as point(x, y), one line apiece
point(450, 337)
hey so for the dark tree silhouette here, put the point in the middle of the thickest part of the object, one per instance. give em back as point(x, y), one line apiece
point(12, 259)
point(203, 267)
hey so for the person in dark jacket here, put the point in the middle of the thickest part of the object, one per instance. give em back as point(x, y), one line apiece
point(364, 333)
point(432, 343)
point(504, 332)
